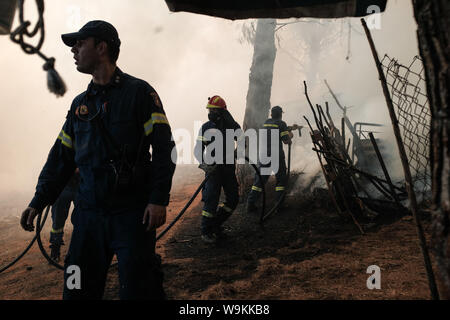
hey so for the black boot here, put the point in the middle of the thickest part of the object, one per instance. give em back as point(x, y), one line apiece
point(208, 225)
point(209, 238)
point(55, 252)
point(222, 216)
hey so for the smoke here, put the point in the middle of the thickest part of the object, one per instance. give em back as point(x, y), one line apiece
point(315, 50)
point(187, 58)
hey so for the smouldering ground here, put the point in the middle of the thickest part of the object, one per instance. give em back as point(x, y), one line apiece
point(303, 252)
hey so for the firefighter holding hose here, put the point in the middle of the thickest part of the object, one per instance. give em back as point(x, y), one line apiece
point(284, 135)
point(221, 169)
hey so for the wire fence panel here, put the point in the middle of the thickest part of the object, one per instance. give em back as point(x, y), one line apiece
point(408, 92)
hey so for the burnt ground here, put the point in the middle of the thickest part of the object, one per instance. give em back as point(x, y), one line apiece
point(305, 251)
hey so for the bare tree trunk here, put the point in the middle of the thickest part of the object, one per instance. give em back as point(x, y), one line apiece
point(433, 19)
point(259, 90)
point(261, 74)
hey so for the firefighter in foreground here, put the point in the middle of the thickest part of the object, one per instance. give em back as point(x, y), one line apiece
point(221, 169)
point(60, 212)
point(285, 135)
point(122, 196)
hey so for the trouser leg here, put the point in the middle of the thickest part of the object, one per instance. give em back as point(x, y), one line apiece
point(281, 177)
point(90, 254)
point(60, 211)
point(210, 197)
point(257, 190)
point(140, 271)
point(231, 190)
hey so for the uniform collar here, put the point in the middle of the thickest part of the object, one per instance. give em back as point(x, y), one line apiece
point(116, 81)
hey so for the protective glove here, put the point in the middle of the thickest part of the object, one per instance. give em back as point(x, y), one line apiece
point(26, 221)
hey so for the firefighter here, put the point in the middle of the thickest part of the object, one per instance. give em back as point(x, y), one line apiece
point(60, 212)
point(122, 196)
point(284, 136)
point(221, 168)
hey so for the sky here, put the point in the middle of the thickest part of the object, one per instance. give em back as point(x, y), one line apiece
point(188, 58)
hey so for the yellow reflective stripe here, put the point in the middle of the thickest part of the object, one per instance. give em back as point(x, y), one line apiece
point(148, 127)
point(201, 138)
point(270, 125)
point(57, 230)
point(210, 106)
point(159, 118)
point(227, 209)
point(207, 214)
point(256, 188)
point(284, 133)
point(279, 188)
point(65, 139)
point(155, 118)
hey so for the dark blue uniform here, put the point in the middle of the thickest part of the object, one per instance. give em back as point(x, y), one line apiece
point(283, 135)
point(213, 214)
point(108, 220)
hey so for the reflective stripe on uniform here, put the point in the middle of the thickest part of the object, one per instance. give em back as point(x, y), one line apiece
point(211, 106)
point(255, 188)
point(279, 189)
point(284, 133)
point(227, 209)
point(207, 214)
point(57, 230)
point(201, 138)
point(148, 127)
point(270, 125)
point(155, 119)
point(65, 139)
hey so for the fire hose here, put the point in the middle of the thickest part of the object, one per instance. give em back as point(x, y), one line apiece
point(29, 245)
point(39, 224)
point(280, 200)
point(198, 190)
point(263, 217)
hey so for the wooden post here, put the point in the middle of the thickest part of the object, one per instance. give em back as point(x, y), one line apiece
point(405, 164)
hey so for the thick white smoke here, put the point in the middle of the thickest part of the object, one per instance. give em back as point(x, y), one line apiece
point(188, 58)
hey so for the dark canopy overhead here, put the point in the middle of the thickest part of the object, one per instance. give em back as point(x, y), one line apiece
point(244, 9)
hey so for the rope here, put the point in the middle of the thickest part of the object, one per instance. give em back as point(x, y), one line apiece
point(55, 83)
